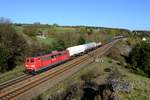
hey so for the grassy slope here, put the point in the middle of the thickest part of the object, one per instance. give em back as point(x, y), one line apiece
point(141, 84)
point(47, 41)
point(62, 86)
point(141, 88)
point(19, 69)
point(12, 74)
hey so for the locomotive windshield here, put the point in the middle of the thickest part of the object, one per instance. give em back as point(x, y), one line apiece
point(30, 60)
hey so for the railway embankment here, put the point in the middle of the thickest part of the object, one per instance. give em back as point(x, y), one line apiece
point(38, 84)
point(106, 78)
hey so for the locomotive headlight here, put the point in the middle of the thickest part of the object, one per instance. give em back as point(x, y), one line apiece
point(32, 65)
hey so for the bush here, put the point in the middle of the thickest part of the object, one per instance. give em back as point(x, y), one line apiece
point(67, 39)
point(107, 69)
point(140, 57)
point(133, 40)
point(87, 77)
point(12, 47)
point(30, 30)
point(110, 61)
point(5, 55)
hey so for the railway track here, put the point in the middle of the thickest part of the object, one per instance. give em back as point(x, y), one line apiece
point(13, 81)
point(13, 91)
point(19, 90)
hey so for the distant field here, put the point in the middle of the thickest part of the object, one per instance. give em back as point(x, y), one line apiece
point(57, 29)
point(19, 29)
point(47, 41)
point(64, 30)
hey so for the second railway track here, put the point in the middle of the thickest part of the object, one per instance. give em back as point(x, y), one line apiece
point(13, 81)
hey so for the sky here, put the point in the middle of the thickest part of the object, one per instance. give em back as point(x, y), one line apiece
point(130, 14)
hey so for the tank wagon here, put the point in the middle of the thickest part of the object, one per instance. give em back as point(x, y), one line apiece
point(76, 50)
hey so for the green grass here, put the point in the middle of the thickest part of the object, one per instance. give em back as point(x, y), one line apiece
point(141, 88)
point(19, 29)
point(65, 30)
point(62, 86)
point(141, 84)
point(12, 74)
point(47, 40)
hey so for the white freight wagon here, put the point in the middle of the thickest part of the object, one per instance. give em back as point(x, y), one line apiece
point(75, 50)
point(98, 44)
point(90, 45)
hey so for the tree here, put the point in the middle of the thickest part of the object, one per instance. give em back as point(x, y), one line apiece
point(4, 20)
point(52, 30)
point(89, 31)
point(30, 30)
point(86, 30)
point(5, 57)
point(82, 30)
point(81, 40)
point(69, 39)
point(139, 57)
point(12, 47)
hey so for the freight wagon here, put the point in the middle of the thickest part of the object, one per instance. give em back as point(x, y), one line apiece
point(75, 50)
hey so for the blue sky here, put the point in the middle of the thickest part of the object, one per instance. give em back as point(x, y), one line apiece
point(131, 14)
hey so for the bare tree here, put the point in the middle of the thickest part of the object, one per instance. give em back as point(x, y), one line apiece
point(4, 20)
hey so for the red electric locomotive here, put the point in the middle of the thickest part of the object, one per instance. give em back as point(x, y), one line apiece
point(34, 64)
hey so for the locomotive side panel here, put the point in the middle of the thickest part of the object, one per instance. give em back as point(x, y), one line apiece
point(39, 63)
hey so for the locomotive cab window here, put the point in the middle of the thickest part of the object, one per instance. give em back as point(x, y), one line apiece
point(52, 56)
point(27, 60)
point(32, 60)
point(39, 59)
point(59, 54)
point(56, 55)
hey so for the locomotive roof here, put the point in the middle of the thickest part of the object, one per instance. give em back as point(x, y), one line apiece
point(51, 54)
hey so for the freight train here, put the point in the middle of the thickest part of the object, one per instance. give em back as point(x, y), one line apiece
point(36, 64)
